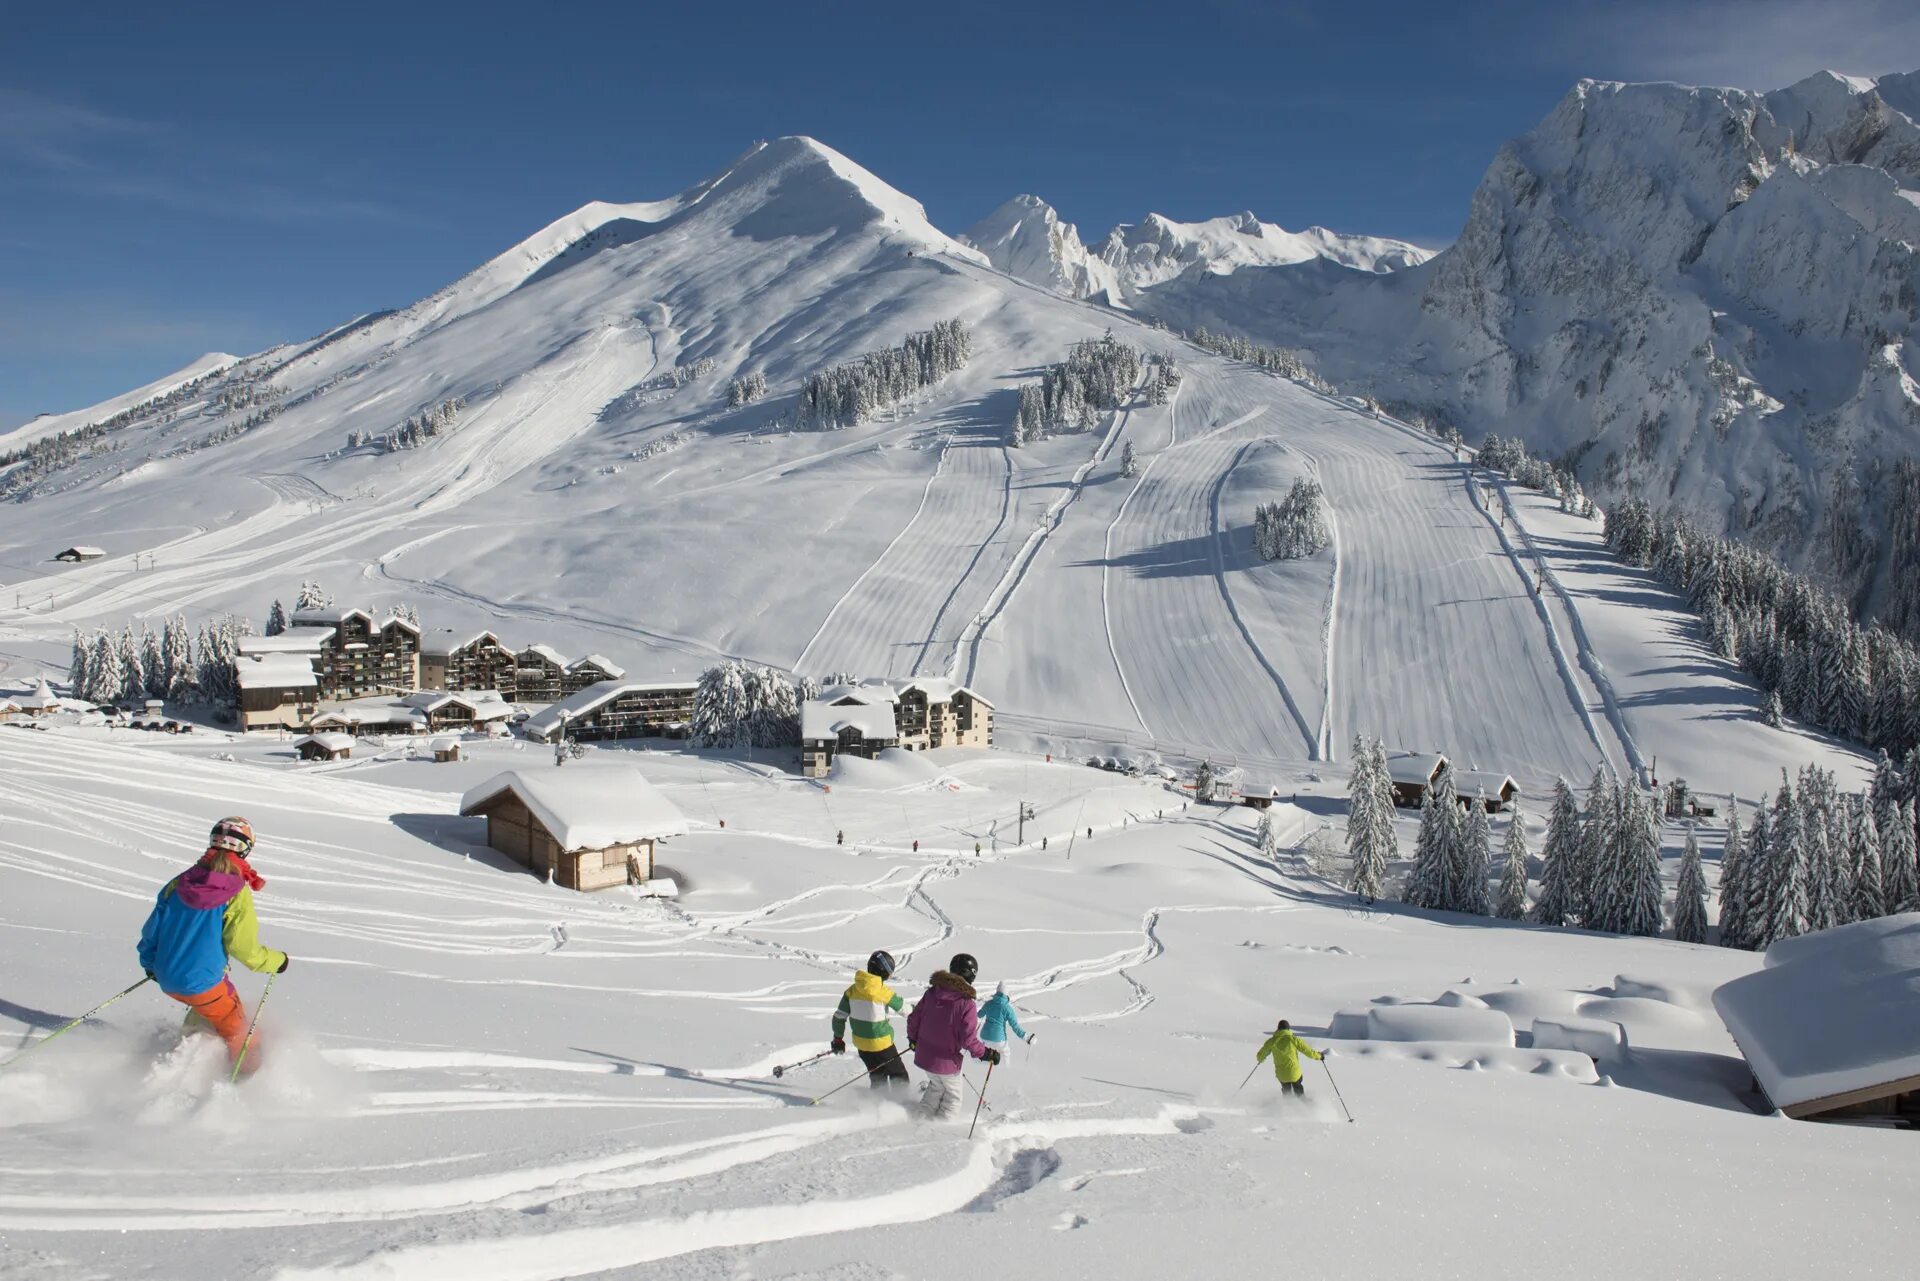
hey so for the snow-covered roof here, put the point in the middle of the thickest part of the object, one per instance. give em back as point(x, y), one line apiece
point(586, 806)
point(599, 663)
point(40, 699)
point(484, 704)
point(328, 617)
point(825, 718)
point(332, 742)
point(547, 652)
point(84, 552)
point(446, 646)
point(275, 671)
point(546, 721)
point(1476, 782)
point(938, 689)
point(305, 639)
point(869, 692)
point(394, 620)
point(1832, 1014)
point(377, 710)
point(442, 742)
point(1414, 768)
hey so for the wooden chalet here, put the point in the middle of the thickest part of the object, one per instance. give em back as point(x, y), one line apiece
point(617, 709)
point(445, 749)
point(1413, 775)
point(586, 827)
point(539, 675)
point(1491, 788)
point(325, 747)
point(74, 555)
point(1831, 1025)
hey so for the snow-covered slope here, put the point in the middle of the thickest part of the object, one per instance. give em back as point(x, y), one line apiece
point(1026, 239)
point(1707, 295)
point(53, 424)
point(598, 493)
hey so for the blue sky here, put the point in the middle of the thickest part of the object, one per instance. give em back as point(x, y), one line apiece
point(182, 178)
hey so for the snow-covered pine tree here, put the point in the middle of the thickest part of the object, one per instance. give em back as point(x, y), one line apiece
point(1129, 464)
point(1513, 875)
point(1560, 859)
point(177, 646)
point(1771, 711)
point(312, 596)
point(109, 670)
point(1596, 844)
point(79, 661)
point(1451, 838)
point(276, 619)
point(1387, 841)
point(133, 668)
point(1363, 823)
point(1266, 838)
point(721, 706)
point(1690, 896)
point(1630, 892)
point(1427, 883)
point(1475, 851)
point(1783, 907)
point(1821, 859)
point(153, 663)
point(1869, 898)
point(1897, 861)
point(1203, 783)
point(1732, 868)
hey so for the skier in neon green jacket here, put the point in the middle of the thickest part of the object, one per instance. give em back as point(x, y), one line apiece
point(1286, 1048)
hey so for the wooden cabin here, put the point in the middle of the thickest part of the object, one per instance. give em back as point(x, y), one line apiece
point(1831, 1024)
point(445, 750)
point(1413, 775)
point(586, 827)
point(325, 747)
point(74, 555)
point(1489, 787)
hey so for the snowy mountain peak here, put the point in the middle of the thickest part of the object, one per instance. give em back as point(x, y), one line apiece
point(1026, 239)
point(1158, 248)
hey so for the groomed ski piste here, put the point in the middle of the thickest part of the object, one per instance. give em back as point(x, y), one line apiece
point(468, 1073)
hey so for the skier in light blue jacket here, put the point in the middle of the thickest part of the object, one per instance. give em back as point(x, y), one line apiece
point(996, 1017)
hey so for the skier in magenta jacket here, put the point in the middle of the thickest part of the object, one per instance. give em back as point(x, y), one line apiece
point(944, 1026)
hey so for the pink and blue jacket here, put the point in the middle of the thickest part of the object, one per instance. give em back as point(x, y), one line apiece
point(200, 919)
point(944, 1025)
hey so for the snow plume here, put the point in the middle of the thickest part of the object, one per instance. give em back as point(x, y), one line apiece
point(744, 705)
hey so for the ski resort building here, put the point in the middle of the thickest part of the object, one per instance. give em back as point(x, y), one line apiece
point(617, 709)
point(1831, 1025)
point(425, 711)
point(587, 827)
point(74, 555)
point(591, 670)
point(363, 656)
point(325, 747)
point(468, 663)
point(539, 675)
point(1413, 775)
point(866, 719)
point(277, 690)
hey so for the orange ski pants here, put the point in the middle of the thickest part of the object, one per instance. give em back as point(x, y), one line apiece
point(219, 1008)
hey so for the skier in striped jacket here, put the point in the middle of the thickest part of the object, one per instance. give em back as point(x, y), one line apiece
point(865, 1005)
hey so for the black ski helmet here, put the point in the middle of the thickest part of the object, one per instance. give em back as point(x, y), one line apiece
point(1285, 1026)
point(880, 964)
point(964, 967)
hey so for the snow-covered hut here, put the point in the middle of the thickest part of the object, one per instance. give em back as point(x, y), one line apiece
point(1831, 1025)
point(445, 748)
point(325, 747)
point(1489, 787)
point(589, 827)
point(74, 555)
point(1413, 775)
point(617, 709)
point(38, 701)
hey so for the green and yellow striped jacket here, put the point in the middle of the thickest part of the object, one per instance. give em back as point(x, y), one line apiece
point(866, 1004)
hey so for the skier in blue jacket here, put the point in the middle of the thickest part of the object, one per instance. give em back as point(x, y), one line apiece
point(996, 1016)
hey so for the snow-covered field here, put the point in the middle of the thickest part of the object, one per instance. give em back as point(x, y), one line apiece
point(467, 1073)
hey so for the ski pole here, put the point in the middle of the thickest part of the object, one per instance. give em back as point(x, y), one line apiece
point(976, 1093)
point(781, 1071)
point(1336, 1092)
point(983, 1099)
point(856, 1080)
point(1247, 1077)
point(248, 1043)
point(77, 1022)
